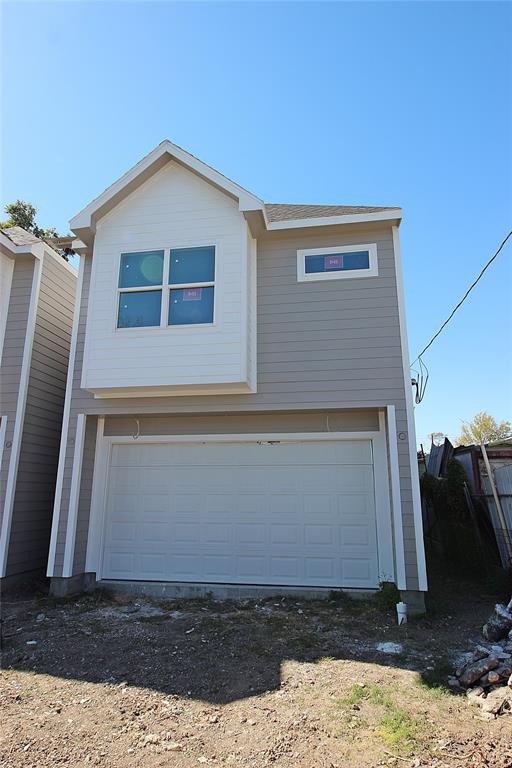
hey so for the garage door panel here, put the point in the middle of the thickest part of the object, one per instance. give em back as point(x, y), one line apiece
point(242, 513)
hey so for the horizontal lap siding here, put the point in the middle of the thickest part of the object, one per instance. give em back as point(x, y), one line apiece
point(12, 357)
point(35, 488)
point(322, 345)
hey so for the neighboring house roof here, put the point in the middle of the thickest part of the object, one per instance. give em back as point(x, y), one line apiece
point(19, 236)
point(285, 211)
point(274, 216)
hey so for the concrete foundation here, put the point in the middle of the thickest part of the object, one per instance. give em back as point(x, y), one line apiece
point(415, 601)
point(61, 586)
point(172, 590)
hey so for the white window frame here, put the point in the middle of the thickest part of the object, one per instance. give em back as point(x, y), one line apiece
point(165, 288)
point(304, 277)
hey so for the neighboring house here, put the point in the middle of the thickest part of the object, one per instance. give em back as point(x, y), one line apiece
point(239, 410)
point(37, 293)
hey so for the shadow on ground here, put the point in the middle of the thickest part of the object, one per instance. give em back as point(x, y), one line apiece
point(219, 652)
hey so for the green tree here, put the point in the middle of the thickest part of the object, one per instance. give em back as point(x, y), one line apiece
point(483, 428)
point(22, 214)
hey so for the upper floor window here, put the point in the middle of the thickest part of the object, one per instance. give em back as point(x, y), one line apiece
point(174, 286)
point(337, 263)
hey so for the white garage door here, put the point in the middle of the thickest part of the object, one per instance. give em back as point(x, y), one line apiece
point(286, 513)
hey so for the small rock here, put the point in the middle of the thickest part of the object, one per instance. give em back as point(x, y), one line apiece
point(504, 671)
point(174, 746)
point(151, 738)
point(454, 684)
point(213, 719)
point(31, 642)
point(493, 677)
point(480, 653)
point(497, 701)
point(393, 648)
point(130, 608)
point(251, 722)
point(474, 672)
point(202, 759)
point(40, 617)
point(499, 625)
point(475, 693)
point(510, 682)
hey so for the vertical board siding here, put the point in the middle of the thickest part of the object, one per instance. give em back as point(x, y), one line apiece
point(320, 345)
point(37, 468)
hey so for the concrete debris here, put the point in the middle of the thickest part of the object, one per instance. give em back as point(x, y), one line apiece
point(499, 625)
point(393, 648)
point(486, 672)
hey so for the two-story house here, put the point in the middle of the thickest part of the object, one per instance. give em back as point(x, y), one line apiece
point(239, 415)
point(37, 296)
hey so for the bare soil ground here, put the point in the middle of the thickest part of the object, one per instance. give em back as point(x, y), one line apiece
point(96, 681)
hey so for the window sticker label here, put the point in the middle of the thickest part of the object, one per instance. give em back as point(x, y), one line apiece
point(333, 262)
point(192, 294)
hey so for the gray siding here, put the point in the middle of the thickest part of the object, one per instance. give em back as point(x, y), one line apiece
point(37, 468)
point(321, 345)
point(12, 358)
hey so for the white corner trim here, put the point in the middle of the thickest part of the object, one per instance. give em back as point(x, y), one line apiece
point(324, 221)
point(65, 421)
point(20, 416)
point(387, 570)
point(6, 275)
point(372, 271)
point(98, 494)
point(74, 496)
point(3, 432)
point(411, 427)
point(396, 497)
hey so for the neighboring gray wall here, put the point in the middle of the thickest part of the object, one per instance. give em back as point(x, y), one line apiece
point(321, 345)
point(12, 357)
point(37, 468)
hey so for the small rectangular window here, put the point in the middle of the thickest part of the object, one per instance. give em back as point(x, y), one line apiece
point(337, 263)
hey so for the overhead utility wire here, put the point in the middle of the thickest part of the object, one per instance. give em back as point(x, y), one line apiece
point(463, 299)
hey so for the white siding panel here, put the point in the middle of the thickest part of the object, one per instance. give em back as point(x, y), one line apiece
point(173, 209)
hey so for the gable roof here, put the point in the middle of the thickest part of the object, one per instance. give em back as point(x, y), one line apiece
point(273, 215)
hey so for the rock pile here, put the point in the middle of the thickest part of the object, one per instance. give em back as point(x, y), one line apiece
point(486, 673)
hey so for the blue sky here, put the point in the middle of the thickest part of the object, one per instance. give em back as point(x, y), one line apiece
point(356, 103)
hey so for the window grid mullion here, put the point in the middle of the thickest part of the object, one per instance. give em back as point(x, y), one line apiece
point(164, 316)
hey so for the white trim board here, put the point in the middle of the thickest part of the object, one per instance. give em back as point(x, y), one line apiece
point(306, 277)
point(74, 496)
point(386, 567)
point(20, 416)
point(396, 497)
point(65, 421)
point(411, 427)
point(3, 432)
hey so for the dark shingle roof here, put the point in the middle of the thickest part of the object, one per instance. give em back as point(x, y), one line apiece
point(19, 236)
point(284, 212)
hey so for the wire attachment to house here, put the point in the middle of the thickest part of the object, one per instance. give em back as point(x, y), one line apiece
point(420, 381)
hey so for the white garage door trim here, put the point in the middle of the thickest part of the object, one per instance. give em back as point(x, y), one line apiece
point(385, 548)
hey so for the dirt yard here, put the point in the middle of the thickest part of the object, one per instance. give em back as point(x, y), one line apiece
point(101, 682)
